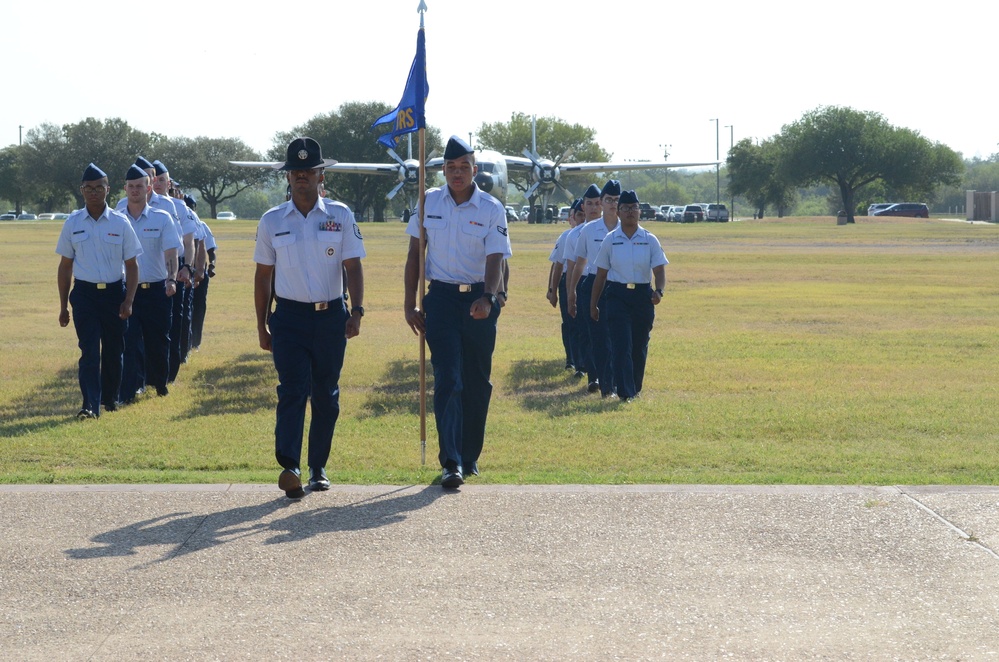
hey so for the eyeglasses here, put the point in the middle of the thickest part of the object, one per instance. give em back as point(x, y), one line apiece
point(627, 208)
point(608, 200)
point(94, 190)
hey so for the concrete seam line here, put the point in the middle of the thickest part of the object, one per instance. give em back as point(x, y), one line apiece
point(951, 525)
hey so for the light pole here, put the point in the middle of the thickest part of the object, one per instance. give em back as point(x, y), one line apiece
point(731, 144)
point(666, 149)
point(717, 158)
point(17, 203)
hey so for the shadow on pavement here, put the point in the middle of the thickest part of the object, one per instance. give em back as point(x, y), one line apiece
point(188, 533)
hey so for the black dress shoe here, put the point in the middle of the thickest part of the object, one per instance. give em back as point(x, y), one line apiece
point(471, 468)
point(318, 482)
point(84, 414)
point(593, 387)
point(162, 390)
point(578, 374)
point(111, 406)
point(451, 479)
point(290, 481)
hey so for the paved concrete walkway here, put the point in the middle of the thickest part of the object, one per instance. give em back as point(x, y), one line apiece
point(499, 572)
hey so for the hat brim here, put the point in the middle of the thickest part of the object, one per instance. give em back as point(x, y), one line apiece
point(288, 166)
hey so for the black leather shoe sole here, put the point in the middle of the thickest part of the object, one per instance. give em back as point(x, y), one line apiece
point(291, 483)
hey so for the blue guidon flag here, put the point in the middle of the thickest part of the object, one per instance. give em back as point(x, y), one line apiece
point(409, 116)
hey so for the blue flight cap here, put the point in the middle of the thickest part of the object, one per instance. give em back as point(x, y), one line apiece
point(456, 148)
point(592, 192)
point(93, 173)
point(189, 201)
point(576, 205)
point(628, 198)
point(612, 187)
point(161, 169)
point(135, 172)
point(143, 163)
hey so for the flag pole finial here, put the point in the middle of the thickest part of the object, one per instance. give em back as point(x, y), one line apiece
point(422, 8)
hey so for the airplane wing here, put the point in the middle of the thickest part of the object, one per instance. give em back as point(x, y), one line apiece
point(348, 168)
point(365, 168)
point(569, 168)
point(273, 165)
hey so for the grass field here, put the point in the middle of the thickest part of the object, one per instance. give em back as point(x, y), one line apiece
point(792, 351)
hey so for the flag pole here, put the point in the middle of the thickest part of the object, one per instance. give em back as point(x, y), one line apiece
point(419, 301)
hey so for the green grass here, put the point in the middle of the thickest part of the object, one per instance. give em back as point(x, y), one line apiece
point(792, 351)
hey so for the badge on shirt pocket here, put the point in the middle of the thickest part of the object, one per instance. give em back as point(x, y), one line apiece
point(330, 240)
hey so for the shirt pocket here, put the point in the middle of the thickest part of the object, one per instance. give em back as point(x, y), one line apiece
point(79, 237)
point(110, 238)
point(152, 233)
point(434, 223)
point(327, 237)
point(283, 240)
point(474, 229)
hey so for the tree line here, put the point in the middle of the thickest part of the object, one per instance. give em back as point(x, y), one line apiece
point(832, 158)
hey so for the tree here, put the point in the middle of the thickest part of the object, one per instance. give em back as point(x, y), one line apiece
point(554, 137)
point(56, 156)
point(203, 164)
point(851, 149)
point(754, 173)
point(345, 135)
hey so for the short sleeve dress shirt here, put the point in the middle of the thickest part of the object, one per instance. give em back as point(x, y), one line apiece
point(98, 247)
point(588, 243)
point(459, 237)
point(630, 260)
point(157, 234)
point(307, 252)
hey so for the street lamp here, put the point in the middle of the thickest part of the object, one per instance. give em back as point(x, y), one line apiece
point(666, 149)
point(717, 158)
point(731, 144)
point(17, 203)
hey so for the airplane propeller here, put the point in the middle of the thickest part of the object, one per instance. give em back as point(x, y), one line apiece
point(547, 175)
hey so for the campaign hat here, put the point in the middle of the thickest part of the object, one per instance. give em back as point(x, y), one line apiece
point(304, 153)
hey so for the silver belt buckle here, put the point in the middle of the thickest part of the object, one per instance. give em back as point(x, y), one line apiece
point(464, 288)
point(630, 286)
point(322, 305)
point(102, 286)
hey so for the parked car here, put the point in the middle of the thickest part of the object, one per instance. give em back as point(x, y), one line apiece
point(26, 216)
point(676, 213)
point(525, 211)
point(717, 213)
point(911, 209)
point(646, 212)
point(693, 213)
point(511, 214)
point(226, 216)
point(878, 206)
point(8, 217)
point(563, 214)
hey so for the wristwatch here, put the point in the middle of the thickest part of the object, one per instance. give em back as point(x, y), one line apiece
point(659, 292)
point(492, 299)
point(503, 294)
point(357, 309)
